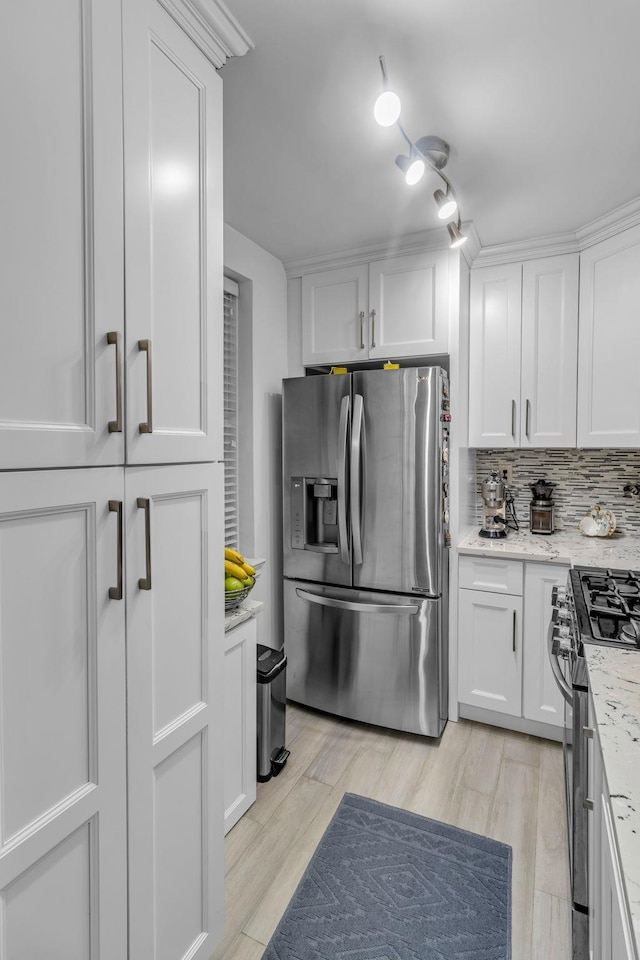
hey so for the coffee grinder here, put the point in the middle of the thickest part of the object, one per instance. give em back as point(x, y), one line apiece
point(494, 507)
point(541, 511)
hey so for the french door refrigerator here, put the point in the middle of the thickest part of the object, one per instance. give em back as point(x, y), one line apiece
point(365, 458)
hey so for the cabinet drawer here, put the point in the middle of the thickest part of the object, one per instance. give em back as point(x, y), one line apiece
point(494, 575)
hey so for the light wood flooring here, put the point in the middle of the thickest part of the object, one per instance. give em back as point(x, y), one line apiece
point(505, 785)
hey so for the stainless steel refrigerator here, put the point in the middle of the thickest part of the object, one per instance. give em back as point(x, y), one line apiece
point(365, 460)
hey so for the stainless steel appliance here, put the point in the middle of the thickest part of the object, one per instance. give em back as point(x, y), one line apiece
point(541, 509)
point(603, 607)
point(365, 458)
point(494, 507)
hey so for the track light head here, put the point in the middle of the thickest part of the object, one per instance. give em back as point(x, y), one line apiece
point(447, 204)
point(412, 167)
point(387, 108)
point(456, 235)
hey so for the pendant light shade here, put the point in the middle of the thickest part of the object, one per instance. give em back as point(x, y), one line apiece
point(387, 108)
point(447, 204)
point(456, 235)
point(412, 167)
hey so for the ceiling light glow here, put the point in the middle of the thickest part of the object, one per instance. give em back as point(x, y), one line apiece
point(387, 108)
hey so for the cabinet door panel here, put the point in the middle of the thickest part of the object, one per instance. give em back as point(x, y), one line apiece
point(239, 722)
point(410, 297)
point(609, 343)
point(174, 651)
point(334, 316)
point(490, 651)
point(173, 189)
point(549, 352)
point(541, 699)
point(62, 726)
point(494, 356)
point(61, 252)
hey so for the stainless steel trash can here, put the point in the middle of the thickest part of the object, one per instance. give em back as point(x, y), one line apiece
point(272, 695)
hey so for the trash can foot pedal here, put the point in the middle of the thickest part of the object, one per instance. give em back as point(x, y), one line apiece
point(278, 762)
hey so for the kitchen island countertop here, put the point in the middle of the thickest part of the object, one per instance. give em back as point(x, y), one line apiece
point(619, 551)
point(614, 679)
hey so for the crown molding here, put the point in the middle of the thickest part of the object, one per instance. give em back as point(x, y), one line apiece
point(520, 250)
point(212, 27)
point(622, 218)
point(421, 242)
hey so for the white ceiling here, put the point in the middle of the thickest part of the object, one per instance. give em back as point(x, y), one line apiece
point(539, 100)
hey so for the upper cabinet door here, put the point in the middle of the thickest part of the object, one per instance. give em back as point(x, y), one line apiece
point(408, 305)
point(61, 252)
point(174, 278)
point(334, 316)
point(609, 348)
point(494, 361)
point(549, 352)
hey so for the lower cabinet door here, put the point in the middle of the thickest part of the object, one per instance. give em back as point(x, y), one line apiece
point(240, 762)
point(63, 867)
point(490, 651)
point(175, 699)
point(541, 698)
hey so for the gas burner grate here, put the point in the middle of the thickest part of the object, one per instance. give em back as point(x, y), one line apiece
point(608, 605)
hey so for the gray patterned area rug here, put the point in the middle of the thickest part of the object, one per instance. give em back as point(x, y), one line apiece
point(386, 884)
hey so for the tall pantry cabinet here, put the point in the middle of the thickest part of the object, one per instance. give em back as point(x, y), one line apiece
point(111, 616)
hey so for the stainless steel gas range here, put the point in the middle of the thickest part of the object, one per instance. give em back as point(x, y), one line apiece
point(598, 606)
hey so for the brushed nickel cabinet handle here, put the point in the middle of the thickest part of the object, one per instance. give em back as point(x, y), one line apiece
point(514, 631)
point(513, 419)
point(527, 428)
point(147, 425)
point(115, 506)
point(115, 426)
point(144, 504)
point(373, 328)
point(362, 329)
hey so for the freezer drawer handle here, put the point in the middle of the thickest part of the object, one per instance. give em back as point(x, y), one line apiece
point(358, 607)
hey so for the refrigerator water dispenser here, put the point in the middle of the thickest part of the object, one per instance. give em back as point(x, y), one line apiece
point(314, 514)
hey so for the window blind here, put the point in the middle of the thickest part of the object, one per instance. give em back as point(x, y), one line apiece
point(230, 413)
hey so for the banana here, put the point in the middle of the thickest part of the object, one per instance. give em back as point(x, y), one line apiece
point(234, 570)
point(233, 555)
point(248, 568)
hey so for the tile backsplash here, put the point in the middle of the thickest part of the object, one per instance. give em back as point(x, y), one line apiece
point(583, 478)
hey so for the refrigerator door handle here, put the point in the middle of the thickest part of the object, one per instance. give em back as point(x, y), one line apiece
point(356, 453)
point(357, 607)
point(343, 533)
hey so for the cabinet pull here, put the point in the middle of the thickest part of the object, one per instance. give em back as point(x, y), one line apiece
point(514, 631)
point(528, 419)
point(513, 419)
point(362, 329)
point(373, 328)
point(115, 426)
point(147, 425)
point(144, 503)
point(115, 506)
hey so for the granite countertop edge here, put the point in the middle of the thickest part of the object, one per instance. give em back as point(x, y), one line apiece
point(568, 547)
point(246, 610)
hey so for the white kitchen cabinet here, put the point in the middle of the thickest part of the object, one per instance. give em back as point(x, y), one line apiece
point(173, 229)
point(61, 254)
point(240, 762)
point(396, 307)
point(63, 842)
point(541, 698)
point(503, 620)
point(523, 349)
point(174, 665)
point(610, 926)
point(490, 651)
point(609, 349)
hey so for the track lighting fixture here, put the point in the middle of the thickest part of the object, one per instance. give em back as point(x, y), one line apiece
point(429, 151)
point(412, 167)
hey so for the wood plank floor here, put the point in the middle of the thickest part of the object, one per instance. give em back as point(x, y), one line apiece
point(505, 785)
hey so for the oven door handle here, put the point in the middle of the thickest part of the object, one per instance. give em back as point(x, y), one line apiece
point(564, 687)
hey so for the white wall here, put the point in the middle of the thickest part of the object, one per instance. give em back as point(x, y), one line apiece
point(263, 364)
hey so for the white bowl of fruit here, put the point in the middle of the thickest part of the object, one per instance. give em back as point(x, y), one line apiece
point(239, 578)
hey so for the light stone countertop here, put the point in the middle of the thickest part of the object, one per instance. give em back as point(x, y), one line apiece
point(247, 609)
point(614, 678)
point(619, 551)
